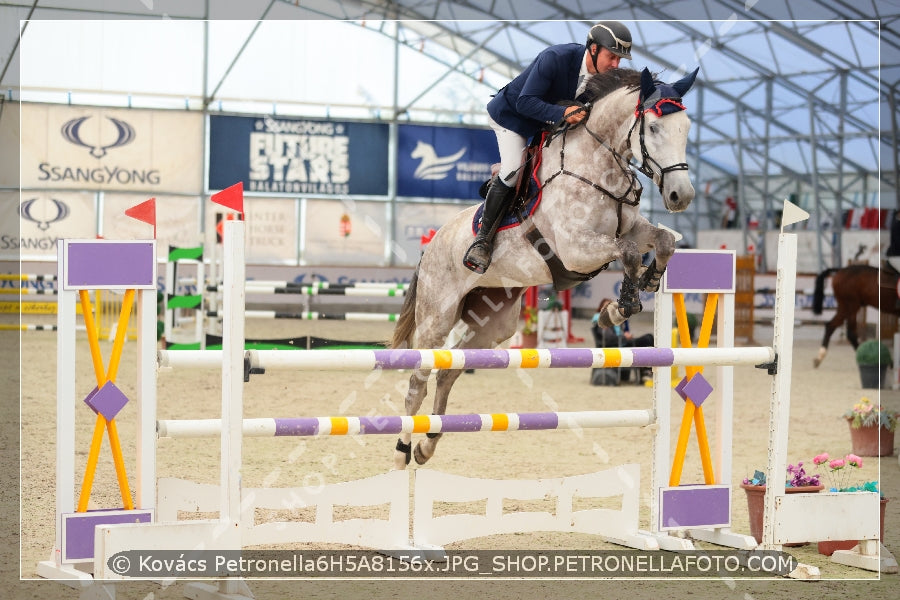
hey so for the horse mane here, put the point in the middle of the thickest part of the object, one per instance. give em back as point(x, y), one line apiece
point(602, 84)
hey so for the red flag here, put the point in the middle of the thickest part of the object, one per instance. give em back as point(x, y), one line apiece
point(146, 212)
point(231, 197)
point(426, 239)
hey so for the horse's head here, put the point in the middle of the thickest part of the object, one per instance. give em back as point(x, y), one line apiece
point(659, 138)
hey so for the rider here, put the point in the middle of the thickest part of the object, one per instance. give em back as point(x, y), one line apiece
point(528, 103)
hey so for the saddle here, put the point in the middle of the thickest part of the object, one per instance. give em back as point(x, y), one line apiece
point(524, 203)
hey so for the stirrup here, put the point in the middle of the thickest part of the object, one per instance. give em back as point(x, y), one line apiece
point(478, 266)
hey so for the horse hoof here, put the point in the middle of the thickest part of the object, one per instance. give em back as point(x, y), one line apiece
point(604, 320)
point(421, 459)
point(816, 363)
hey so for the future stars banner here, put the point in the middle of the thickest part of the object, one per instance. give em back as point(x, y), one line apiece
point(278, 155)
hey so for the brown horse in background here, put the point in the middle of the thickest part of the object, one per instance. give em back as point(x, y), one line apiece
point(854, 286)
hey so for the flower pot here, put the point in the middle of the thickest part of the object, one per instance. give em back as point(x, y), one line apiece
point(871, 441)
point(529, 340)
point(756, 505)
point(871, 376)
point(829, 546)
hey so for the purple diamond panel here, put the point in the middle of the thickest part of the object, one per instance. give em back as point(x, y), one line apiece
point(107, 401)
point(697, 389)
point(695, 506)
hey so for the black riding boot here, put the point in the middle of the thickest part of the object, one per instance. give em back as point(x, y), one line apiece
point(478, 256)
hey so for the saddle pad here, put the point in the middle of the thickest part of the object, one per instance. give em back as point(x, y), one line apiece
point(528, 196)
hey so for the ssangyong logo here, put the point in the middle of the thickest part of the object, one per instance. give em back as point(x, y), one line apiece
point(432, 165)
point(72, 132)
point(43, 213)
point(99, 141)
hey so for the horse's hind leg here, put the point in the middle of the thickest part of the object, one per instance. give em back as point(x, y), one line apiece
point(418, 387)
point(491, 316)
point(445, 380)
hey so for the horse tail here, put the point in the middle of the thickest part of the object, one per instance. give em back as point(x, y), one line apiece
point(406, 322)
point(819, 291)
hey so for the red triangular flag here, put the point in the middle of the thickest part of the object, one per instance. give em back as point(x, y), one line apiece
point(146, 212)
point(428, 237)
point(231, 197)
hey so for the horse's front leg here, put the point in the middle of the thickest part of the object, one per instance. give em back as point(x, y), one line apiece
point(418, 387)
point(663, 242)
point(629, 302)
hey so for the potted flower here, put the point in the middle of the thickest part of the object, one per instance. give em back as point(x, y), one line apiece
point(871, 428)
point(798, 481)
point(840, 479)
point(872, 358)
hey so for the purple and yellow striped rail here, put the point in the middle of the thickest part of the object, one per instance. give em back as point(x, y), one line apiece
point(498, 358)
point(383, 425)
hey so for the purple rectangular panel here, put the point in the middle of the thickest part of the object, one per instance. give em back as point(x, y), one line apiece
point(695, 506)
point(700, 271)
point(78, 529)
point(110, 264)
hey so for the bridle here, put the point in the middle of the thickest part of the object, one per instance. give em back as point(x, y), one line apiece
point(658, 105)
point(632, 194)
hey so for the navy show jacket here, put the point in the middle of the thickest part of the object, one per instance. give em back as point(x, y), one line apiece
point(528, 103)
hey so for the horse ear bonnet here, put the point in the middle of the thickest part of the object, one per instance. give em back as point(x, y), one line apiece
point(663, 98)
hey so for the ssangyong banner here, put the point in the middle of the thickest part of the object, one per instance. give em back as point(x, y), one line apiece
point(33, 221)
point(280, 155)
point(121, 149)
point(444, 162)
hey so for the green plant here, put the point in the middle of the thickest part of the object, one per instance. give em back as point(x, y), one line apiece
point(866, 414)
point(873, 352)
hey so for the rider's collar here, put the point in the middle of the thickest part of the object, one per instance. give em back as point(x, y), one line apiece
point(663, 101)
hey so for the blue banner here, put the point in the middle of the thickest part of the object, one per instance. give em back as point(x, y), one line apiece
point(279, 155)
point(444, 162)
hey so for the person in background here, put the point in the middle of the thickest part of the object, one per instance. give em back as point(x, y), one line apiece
point(618, 336)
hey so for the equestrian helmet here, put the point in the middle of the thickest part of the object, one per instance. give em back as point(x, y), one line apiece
point(613, 36)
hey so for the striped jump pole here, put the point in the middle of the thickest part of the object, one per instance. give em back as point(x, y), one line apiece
point(251, 288)
point(28, 291)
point(324, 285)
point(349, 360)
point(313, 316)
point(385, 425)
point(26, 277)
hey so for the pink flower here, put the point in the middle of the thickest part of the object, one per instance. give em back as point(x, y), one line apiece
point(821, 459)
point(836, 464)
point(854, 461)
